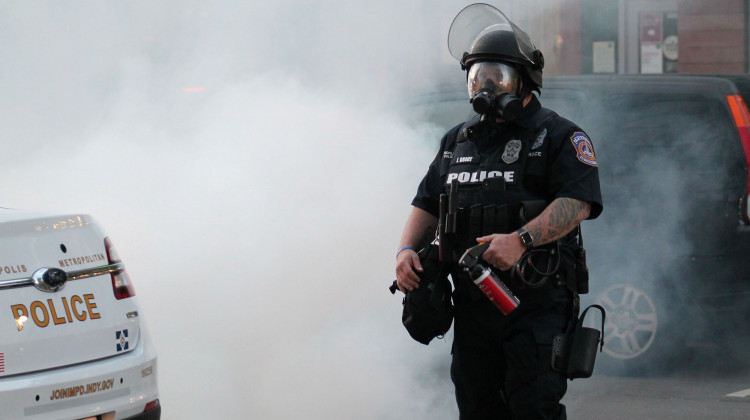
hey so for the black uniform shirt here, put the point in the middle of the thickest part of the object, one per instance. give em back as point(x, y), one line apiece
point(559, 162)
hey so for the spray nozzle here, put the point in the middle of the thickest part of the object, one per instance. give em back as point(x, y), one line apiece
point(471, 257)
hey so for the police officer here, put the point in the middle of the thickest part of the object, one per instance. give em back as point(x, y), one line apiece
point(511, 157)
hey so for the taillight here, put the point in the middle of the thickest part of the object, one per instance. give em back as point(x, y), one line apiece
point(152, 405)
point(121, 284)
point(742, 121)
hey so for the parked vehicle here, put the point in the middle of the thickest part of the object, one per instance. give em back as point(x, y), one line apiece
point(668, 256)
point(73, 344)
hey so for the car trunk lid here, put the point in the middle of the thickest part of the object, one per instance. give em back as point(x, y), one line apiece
point(44, 325)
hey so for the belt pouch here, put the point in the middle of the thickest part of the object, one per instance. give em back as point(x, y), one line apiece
point(428, 310)
point(496, 219)
point(488, 219)
point(476, 221)
point(582, 270)
point(530, 210)
point(468, 227)
point(574, 354)
point(445, 250)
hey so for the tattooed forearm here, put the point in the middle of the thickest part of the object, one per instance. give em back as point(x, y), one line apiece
point(559, 218)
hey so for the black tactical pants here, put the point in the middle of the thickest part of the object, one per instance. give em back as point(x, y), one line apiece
point(501, 363)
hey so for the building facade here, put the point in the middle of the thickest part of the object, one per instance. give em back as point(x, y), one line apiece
point(640, 36)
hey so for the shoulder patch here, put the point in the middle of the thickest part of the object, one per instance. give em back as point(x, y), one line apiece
point(584, 148)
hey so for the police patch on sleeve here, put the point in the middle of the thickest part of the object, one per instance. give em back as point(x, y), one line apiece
point(584, 148)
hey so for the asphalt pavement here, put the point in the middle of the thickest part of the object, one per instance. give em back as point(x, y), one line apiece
point(705, 391)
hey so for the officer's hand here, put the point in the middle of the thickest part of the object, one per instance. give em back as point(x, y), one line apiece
point(406, 264)
point(504, 251)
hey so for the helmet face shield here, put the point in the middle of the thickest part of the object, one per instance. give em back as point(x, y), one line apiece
point(494, 77)
point(482, 33)
point(480, 19)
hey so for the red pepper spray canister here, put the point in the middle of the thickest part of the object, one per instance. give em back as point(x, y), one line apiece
point(494, 288)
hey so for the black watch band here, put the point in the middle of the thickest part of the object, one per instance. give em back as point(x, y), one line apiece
point(526, 239)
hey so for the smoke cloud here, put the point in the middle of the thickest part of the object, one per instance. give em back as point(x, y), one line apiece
point(252, 163)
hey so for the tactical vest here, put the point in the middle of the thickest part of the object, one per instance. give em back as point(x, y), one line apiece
point(487, 171)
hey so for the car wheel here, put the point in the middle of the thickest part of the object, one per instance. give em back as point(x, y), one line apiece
point(632, 322)
point(640, 337)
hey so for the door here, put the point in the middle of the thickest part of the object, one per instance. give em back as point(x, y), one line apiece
point(648, 34)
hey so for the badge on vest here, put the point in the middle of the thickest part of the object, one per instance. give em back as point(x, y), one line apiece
point(584, 148)
point(512, 151)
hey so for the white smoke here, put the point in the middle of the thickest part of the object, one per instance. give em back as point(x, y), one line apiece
point(258, 216)
point(251, 162)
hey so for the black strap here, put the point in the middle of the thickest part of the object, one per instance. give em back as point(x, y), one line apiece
point(601, 332)
point(466, 129)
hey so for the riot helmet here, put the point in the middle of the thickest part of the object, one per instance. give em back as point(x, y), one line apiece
point(482, 34)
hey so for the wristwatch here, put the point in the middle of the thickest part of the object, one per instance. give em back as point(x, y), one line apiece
point(526, 239)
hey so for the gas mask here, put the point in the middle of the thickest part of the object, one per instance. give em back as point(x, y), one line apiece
point(493, 89)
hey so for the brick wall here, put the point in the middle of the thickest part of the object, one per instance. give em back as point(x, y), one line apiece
point(555, 28)
point(711, 36)
point(570, 31)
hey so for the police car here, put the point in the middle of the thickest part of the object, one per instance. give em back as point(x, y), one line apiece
point(668, 256)
point(73, 344)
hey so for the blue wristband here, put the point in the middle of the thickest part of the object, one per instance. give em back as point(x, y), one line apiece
point(402, 249)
